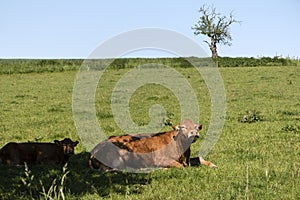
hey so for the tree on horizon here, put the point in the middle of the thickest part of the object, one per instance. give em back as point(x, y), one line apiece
point(215, 26)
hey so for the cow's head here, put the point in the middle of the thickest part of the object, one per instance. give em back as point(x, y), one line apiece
point(188, 128)
point(67, 144)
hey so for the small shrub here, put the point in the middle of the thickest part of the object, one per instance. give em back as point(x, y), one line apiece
point(168, 120)
point(250, 116)
point(292, 128)
point(109, 129)
point(104, 115)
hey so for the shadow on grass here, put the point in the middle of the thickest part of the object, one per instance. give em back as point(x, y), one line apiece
point(80, 181)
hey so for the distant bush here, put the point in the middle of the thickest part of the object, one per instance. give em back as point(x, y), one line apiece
point(11, 66)
point(21, 66)
point(122, 63)
point(254, 62)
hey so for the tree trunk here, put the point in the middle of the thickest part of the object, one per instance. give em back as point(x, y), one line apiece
point(213, 48)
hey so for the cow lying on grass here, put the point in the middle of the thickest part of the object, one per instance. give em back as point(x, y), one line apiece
point(37, 153)
point(144, 151)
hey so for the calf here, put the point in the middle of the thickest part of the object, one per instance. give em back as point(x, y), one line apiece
point(166, 149)
point(37, 153)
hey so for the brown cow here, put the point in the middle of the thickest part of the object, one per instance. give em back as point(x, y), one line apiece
point(160, 150)
point(37, 153)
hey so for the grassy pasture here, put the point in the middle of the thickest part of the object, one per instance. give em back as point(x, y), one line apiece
point(259, 160)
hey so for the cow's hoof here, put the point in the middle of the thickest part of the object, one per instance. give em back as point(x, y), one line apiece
point(213, 166)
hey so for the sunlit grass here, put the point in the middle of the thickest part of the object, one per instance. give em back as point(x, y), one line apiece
point(259, 160)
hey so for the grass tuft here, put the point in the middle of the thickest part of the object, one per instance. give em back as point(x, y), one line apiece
point(250, 116)
point(293, 128)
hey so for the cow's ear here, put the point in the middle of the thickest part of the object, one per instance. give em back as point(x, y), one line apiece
point(57, 142)
point(75, 143)
point(175, 128)
point(199, 126)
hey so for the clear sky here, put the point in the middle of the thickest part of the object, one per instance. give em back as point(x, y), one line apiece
point(73, 29)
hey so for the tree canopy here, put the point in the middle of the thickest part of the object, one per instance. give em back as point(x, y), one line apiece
point(215, 26)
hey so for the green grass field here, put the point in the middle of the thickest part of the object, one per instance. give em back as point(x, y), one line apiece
point(259, 160)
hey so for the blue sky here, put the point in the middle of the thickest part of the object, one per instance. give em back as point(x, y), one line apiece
point(73, 29)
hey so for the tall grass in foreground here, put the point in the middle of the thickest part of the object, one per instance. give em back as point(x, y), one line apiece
point(55, 191)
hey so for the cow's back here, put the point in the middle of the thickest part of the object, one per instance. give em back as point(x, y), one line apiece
point(49, 153)
point(143, 143)
point(32, 153)
point(16, 154)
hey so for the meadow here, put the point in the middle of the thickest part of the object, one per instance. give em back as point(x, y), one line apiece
point(257, 154)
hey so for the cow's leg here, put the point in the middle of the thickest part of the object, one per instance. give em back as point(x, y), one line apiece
point(97, 165)
point(182, 160)
point(176, 164)
point(93, 163)
point(207, 163)
point(187, 155)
